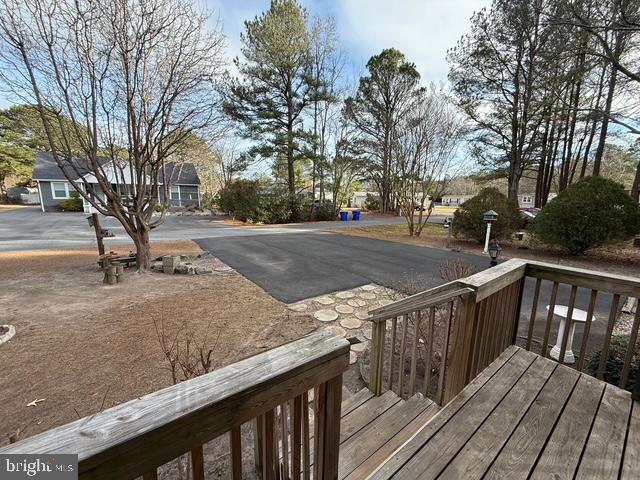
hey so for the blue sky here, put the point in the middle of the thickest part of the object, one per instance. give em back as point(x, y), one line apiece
point(422, 29)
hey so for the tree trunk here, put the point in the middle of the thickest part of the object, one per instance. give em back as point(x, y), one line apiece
point(635, 189)
point(143, 249)
point(597, 161)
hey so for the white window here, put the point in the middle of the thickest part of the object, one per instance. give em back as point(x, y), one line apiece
point(61, 190)
point(175, 193)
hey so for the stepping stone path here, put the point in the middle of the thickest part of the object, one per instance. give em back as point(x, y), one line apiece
point(367, 295)
point(325, 300)
point(326, 315)
point(344, 309)
point(356, 302)
point(345, 295)
point(336, 330)
point(345, 313)
point(351, 323)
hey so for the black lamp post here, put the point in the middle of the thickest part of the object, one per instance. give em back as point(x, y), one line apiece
point(494, 252)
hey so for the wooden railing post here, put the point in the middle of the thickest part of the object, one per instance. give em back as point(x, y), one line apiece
point(327, 429)
point(377, 357)
point(462, 332)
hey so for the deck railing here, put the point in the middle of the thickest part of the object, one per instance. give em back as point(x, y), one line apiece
point(481, 315)
point(271, 390)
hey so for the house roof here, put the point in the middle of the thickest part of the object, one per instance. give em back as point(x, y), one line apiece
point(46, 168)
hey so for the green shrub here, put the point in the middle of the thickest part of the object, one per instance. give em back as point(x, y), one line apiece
point(468, 220)
point(615, 362)
point(371, 203)
point(74, 204)
point(240, 198)
point(274, 208)
point(324, 212)
point(158, 208)
point(592, 212)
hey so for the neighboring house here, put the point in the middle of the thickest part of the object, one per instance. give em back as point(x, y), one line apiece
point(525, 200)
point(455, 200)
point(53, 187)
point(359, 198)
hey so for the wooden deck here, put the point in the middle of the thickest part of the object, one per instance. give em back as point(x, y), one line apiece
point(372, 428)
point(526, 417)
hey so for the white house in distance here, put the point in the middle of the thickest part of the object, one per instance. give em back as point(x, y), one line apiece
point(525, 200)
point(53, 186)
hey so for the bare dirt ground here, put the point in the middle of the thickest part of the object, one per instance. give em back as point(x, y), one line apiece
point(82, 346)
point(621, 258)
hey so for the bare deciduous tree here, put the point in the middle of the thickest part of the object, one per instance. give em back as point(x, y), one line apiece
point(426, 146)
point(133, 78)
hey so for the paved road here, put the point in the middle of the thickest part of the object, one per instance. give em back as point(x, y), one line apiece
point(30, 229)
point(294, 267)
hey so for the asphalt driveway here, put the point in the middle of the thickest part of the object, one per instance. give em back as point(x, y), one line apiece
point(294, 267)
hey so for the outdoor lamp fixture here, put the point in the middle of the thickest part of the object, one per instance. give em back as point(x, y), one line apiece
point(490, 217)
point(494, 252)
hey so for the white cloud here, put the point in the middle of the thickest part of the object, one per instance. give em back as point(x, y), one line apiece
point(421, 29)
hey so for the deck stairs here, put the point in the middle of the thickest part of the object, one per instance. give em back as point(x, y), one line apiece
point(372, 428)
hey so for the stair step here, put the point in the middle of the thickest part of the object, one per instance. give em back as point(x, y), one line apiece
point(385, 451)
point(362, 452)
point(354, 401)
point(366, 412)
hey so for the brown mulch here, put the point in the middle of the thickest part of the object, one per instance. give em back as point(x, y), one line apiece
point(83, 346)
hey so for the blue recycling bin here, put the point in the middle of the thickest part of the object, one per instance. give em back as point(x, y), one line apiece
point(344, 216)
point(356, 215)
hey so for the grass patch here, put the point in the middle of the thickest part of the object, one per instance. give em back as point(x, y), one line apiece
point(430, 229)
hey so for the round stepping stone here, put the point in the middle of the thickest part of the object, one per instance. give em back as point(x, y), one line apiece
point(361, 315)
point(358, 347)
point(325, 301)
point(298, 307)
point(326, 315)
point(367, 331)
point(344, 309)
point(336, 330)
point(222, 269)
point(353, 358)
point(351, 323)
point(368, 288)
point(356, 302)
point(345, 295)
point(367, 295)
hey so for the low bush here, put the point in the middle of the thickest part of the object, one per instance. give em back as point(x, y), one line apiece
point(468, 220)
point(240, 198)
point(74, 204)
point(323, 212)
point(615, 362)
point(590, 213)
point(371, 203)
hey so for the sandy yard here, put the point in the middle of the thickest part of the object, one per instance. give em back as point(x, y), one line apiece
point(81, 346)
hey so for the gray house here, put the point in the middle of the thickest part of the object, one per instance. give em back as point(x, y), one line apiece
point(53, 186)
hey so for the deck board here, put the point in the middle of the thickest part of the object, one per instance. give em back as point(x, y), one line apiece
point(481, 449)
point(400, 457)
point(561, 455)
point(456, 432)
point(525, 416)
point(603, 455)
point(521, 451)
point(631, 460)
